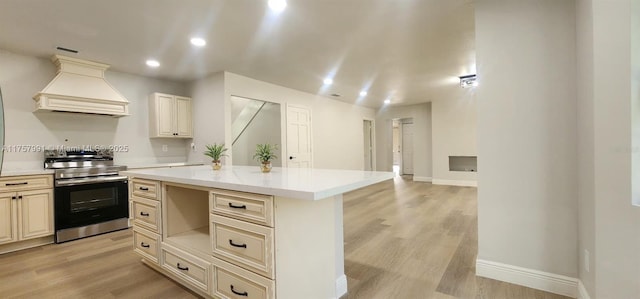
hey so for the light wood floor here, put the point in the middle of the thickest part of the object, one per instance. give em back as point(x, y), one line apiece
point(402, 240)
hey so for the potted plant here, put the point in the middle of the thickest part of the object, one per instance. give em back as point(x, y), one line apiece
point(264, 154)
point(215, 152)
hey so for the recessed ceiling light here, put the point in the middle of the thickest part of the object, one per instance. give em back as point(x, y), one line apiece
point(153, 63)
point(363, 93)
point(277, 5)
point(198, 42)
point(387, 101)
point(327, 81)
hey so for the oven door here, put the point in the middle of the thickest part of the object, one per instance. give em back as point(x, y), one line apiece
point(86, 204)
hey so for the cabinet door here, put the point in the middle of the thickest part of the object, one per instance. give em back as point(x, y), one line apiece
point(183, 117)
point(8, 221)
point(165, 115)
point(36, 213)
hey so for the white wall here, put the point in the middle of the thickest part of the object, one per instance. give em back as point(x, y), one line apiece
point(422, 157)
point(208, 100)
point(454, 134)
point(617, 222)
point(23, 76)
point(338, 139)
point(527, 214)
point(635, 96)
point(585, 171)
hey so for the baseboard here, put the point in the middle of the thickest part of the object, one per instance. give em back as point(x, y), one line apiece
point(582, 291)
point(554, 283)
point(455, 183)
point(422, 179)
point(341, 286)
point(20, 245)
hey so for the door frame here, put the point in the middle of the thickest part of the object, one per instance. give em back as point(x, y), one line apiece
point(399, 120)
point(373, 141)
point(401, 132)
point(400, 160)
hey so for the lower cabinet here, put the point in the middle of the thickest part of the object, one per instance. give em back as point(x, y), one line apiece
point(8, 218)
point(231, 281)
point(36, 213)
point(189, 268)
point(146, 244)
point(214, 251)
point(26, 215)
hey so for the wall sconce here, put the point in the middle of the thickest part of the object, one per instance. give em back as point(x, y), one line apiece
point(468, 81)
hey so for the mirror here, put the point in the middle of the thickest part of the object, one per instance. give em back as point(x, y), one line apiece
point(254, 122)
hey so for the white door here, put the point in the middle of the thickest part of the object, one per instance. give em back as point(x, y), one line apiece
point(368, 145)
point(396, 146)
point(298, 137)
point(407, 148)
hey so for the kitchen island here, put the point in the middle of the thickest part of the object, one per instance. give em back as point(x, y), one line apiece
point(240, 233)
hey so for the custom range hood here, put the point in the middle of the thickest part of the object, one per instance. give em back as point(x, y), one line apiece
point(80, 87)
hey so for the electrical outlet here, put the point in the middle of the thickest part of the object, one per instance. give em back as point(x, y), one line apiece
point(586, 260)
point(165, 148)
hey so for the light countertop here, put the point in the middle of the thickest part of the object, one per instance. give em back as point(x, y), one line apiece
point(299, 183)
point(159, 165)
point(36, 171)
point(17, 172)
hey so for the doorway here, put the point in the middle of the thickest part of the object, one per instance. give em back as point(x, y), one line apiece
point(368, 133)
point(407, 147)
point(395, 146)
point(402, 146)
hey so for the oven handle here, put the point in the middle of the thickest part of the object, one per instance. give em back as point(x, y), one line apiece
point(93, 180)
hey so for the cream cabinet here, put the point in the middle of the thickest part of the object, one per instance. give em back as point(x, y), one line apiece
point(231, 244)
point(146, 215)
point(8, 218)
point(170, 116)
point(26, 208)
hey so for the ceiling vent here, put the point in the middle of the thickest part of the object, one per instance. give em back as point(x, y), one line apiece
point(80, 87)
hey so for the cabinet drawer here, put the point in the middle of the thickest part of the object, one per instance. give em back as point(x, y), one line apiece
point(246, 244)
point(186, 266)
point(21, 183)
point(145, 188)
point(146, 244)
point(251, 207)
point(146, 213)
point(230, 281)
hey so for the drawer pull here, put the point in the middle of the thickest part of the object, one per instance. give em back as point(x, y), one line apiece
point(144, 214)
point(144, 188)
point(16, 184)
point(144, 245)
point(237, 207)
point(238, 293)
point(183, 269)
point(237, 245)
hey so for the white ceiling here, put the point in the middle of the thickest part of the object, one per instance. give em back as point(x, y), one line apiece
point(410, 50)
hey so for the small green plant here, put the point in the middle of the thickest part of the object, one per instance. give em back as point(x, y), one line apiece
point(265, 153)
point(215, 151)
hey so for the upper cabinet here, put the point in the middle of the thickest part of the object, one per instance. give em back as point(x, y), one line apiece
point(170, 116)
